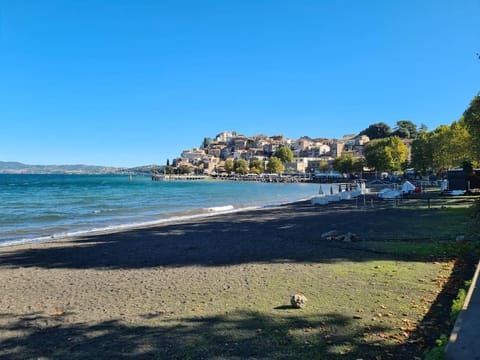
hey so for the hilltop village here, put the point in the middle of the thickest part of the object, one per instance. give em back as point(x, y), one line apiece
point(309, 155)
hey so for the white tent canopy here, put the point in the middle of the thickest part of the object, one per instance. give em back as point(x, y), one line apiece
point(407, 187)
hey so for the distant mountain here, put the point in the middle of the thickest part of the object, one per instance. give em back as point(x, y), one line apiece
point(12, 167)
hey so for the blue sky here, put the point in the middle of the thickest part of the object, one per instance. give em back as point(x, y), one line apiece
point(124, 83)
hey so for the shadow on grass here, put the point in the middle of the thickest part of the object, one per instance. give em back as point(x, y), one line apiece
point(290, 233)
point(232, 336)
point(437, 321)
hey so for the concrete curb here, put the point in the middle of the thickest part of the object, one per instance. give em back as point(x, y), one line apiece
point(464, 341)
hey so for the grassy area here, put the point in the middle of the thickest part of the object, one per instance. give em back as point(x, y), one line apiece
point(354, 309)
point(394, 305)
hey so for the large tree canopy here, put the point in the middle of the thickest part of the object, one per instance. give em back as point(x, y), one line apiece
point(444, 148)
point(405, 129)
point(241, 166)
point(347, 164)
point(229, 166)
point(386, 154)
point(422, 152)
point(284, 153)
point(256, 166)
point(275, 165)
point(472, 121)
point(377, 131)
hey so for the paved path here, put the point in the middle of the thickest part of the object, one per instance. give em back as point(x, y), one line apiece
point(464, 342)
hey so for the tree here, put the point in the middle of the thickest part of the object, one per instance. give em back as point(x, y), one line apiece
point(184, 170)
point(169, 169)
point(347, 164)
point(241, 166)
point(386, 154)
point(471, 117)
point(256, 166)
point(406, 127)
point(422, 152)
point(450, 145)
point(324, 165)
point(377, 131)
point(284, 153)
point(344, 164)
point(444, 148)
point(275, 165)
point(229, 166)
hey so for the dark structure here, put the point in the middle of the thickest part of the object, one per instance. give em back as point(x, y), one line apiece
point(460, 180)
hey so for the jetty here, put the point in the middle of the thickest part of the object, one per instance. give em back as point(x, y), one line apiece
point(269, 178)
point(162, 177)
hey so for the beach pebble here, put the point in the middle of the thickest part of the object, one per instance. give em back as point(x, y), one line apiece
point(330, 235)
point(348, 237)
point(337, 236)
point(298, 301)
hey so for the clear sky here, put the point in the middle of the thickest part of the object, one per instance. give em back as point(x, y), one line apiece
point(125, 83)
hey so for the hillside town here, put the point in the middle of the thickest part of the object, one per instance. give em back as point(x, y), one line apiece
point(310, 155)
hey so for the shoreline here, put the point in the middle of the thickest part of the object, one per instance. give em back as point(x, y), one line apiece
point(113, 229)
point(118, 205)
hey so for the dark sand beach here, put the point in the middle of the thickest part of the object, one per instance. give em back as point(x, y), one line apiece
point(219, 288)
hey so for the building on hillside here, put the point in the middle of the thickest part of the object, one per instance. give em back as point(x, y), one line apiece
point(209, 165)
point(318, 165)
point(259, 141)
point(355, 146)
point(304, 143)
point(239, 143)
point(240, 154)
point(279, 139)
point(269, 149)
point(362, 140)
point(225, 137)
point(217, 152)
point(193, 155)
point(298, 165)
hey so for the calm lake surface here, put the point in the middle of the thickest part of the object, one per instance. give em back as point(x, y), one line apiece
point(42, 207)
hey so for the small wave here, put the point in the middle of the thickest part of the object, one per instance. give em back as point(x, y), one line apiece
point(220, 208)
point(129, 226)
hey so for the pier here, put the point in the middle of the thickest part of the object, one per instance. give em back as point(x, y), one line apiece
point(270, 178)
point(161, 177)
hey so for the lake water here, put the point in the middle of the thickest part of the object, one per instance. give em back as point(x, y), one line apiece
point(42, 207)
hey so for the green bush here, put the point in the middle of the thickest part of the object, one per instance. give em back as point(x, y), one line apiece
point(459, 301)
point(437, 353)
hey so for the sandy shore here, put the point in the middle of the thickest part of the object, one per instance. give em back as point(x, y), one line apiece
point(74, 298)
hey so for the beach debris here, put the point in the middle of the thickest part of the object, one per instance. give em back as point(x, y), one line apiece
point(337, 236)
point(298, 301)
point(59, 312)
point(330, 235)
